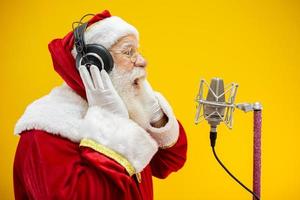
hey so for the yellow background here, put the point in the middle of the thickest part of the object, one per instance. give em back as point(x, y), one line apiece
point(254, 43)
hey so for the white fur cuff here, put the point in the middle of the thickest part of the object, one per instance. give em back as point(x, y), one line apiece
point(168, 135)
point(121, 135)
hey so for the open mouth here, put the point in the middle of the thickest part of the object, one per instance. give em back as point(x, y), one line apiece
point(137, 81)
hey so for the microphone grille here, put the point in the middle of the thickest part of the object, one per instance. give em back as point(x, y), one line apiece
point(215, 94)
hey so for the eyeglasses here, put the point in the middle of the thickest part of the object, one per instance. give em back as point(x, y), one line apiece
point(130, 53)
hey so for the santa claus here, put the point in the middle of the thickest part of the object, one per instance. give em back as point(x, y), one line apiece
point(99, 135)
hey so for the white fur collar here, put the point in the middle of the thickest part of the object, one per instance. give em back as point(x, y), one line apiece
point(63, 112)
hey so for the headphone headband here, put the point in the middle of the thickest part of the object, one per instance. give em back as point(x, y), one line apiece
point(90, 54)
point(79, 39)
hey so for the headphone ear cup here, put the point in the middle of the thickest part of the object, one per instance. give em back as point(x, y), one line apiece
point(97, 50)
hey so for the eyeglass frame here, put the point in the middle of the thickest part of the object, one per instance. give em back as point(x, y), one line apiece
point(133, 57)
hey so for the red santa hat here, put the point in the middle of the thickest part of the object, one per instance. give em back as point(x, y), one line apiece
point(102, 29)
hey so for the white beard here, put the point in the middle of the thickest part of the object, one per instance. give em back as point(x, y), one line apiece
point(128, 86)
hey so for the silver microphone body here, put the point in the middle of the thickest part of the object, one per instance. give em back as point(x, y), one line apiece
point(214, 108)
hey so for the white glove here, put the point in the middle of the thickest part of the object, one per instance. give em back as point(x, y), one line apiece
point(152, 104)
point(100, 91)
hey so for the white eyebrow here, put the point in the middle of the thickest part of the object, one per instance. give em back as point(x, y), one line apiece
point(127, 44)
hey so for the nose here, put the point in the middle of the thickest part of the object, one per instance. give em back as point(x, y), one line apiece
point(140, 61)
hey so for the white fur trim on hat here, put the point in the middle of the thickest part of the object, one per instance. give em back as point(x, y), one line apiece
point(107, 32)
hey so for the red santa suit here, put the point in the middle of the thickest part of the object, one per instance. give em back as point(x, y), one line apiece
point(68, 150)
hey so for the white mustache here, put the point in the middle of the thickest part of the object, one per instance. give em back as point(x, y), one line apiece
point(135, 73)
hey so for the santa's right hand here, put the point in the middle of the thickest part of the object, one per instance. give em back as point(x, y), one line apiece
point(100, 91)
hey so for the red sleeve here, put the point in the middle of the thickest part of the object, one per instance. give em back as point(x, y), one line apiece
point(51, 167)
point(170, 159)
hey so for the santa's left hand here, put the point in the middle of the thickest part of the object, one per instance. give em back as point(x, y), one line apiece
point(152, 105)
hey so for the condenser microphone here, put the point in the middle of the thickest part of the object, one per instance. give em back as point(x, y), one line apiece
point(216, 107)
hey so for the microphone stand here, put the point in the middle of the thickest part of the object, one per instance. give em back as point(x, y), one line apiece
point(257, 121)
point(257, 110)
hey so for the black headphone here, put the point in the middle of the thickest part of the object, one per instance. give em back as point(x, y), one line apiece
point(90, 54)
